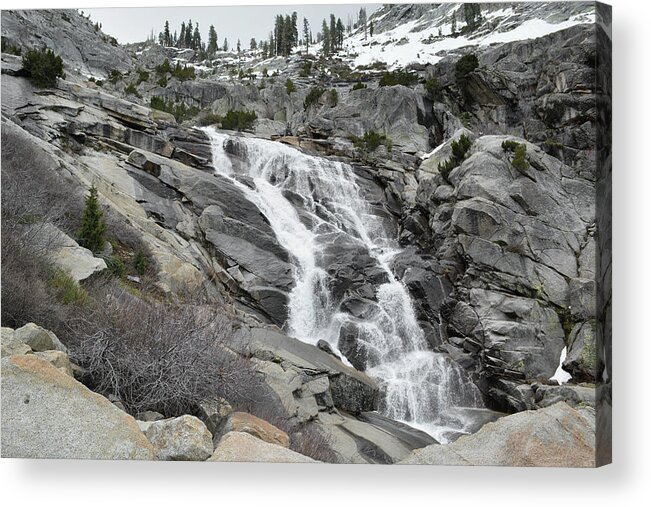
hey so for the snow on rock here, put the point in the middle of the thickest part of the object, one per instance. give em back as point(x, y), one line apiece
point(423, 40)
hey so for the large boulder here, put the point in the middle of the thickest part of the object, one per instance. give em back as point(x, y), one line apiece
point(67, 254)
point(556, 436)
point(48, 414)
point(236, 446)
point(38, 339)
point(183, 438)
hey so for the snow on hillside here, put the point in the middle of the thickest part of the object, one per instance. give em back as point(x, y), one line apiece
point(418, 41)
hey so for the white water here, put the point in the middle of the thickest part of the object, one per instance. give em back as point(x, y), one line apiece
point(420, 387)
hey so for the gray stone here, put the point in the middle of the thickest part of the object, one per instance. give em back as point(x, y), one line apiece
point(149, 416)
point(12, 346)
point(183, 438)
point(38, 339)
point(213, 413)
point(575, 396)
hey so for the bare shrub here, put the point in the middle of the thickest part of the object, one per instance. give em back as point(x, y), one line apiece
point(310, 441)
point(306, 439)
point(34, 198)
point(160, 357)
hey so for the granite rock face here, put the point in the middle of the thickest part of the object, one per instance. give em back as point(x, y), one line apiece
point(73, 36)
point(514, 247)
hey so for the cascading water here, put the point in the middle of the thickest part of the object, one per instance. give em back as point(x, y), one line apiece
point(314, 206)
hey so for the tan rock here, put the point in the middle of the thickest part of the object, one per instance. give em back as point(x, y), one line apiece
point(47, 414)
point(237, 446)
point(57, 359)
point(259, 428)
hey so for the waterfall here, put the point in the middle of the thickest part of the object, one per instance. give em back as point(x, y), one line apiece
point(316, 209)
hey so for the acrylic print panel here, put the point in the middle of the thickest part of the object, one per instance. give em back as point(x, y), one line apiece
point(313, 233)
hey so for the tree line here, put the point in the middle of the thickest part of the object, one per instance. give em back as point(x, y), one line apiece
point(282, 40)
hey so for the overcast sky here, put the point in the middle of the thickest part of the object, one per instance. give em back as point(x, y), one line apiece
point(133, 24)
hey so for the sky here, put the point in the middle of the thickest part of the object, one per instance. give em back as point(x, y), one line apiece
point(133, 24)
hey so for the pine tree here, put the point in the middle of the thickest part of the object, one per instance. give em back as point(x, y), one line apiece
point(253, 45)
point(288, 35)
point(196, 38)
point(272, 45)
point(472, 14)
point(370, 29)
point(167, 41)
point(239, 46)
point(341, 31)
point(93, 224)
point(306, 34)
point(454, 24)
point(334, 45)
point(189, 31)
point(326, 38)
point(181, 41)
point(279, 31)
point(294, 29)
point(225, 44)
point(212, 41)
